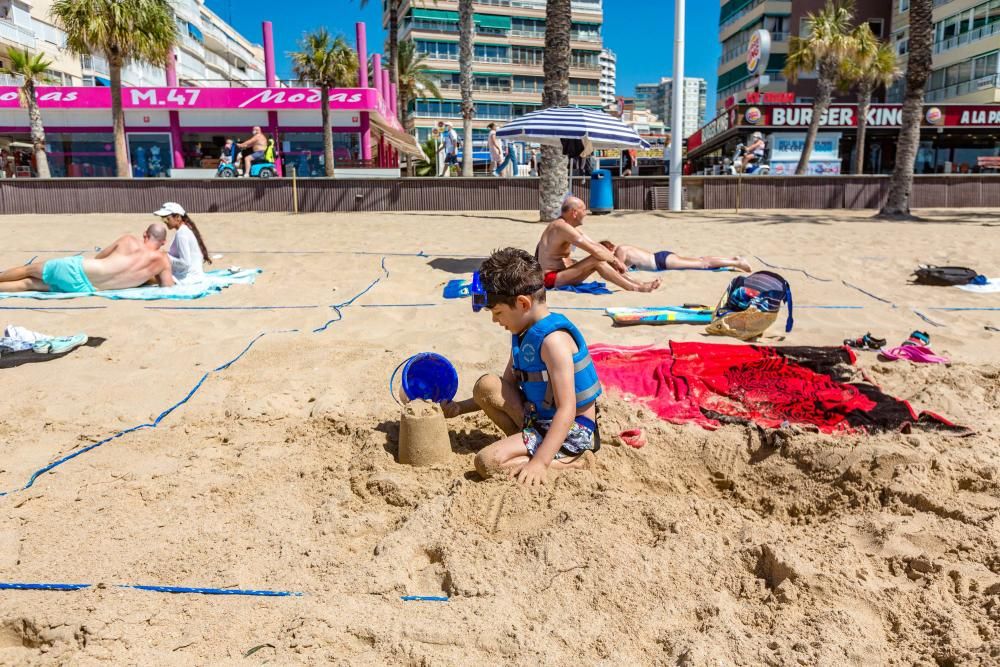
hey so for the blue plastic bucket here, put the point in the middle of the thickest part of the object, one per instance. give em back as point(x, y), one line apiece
point(427, 376)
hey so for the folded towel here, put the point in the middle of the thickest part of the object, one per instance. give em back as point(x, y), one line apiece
point(991, 285)
point(213, 283)
point(595, 287)
point(459, 289)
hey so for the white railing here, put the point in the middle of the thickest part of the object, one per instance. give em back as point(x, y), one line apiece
point(216, 61)
point(11, 32)
point(11, 80)
point(967, 37)
point(92, 63)
point(964, 88)
point(743, 12)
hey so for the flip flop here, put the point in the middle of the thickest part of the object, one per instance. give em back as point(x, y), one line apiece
point(917, 353)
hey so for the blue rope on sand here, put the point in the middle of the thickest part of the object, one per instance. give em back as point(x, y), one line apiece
point(867, 293)
point(423, 598)
point(156, 589)
point(28, 263)
point(52, 307)
point(399, 305)
point(230, 307)
point(949, 308)
point(153, 424)
point(41, 587)
point(927, 319)
point(789, 268)
point(338, 306)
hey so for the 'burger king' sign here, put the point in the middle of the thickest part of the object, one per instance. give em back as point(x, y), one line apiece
point(758, 51)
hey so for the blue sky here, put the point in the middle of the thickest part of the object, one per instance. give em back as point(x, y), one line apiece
point(639, 31)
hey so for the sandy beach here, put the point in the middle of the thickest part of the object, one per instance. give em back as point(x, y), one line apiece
point(727, 547)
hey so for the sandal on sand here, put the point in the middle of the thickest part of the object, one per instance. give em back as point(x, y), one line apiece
point(918, 338)
point(866, 342)
point(918, 353)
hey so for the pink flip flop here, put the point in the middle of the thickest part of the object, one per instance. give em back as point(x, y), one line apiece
point(917, 353)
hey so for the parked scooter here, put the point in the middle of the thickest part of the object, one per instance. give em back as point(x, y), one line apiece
point(264, 169)
point(756, 168)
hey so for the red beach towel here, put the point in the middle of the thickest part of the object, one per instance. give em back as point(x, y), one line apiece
point(710, 383)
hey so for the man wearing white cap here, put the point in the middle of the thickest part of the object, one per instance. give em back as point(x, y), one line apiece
point(188, 252)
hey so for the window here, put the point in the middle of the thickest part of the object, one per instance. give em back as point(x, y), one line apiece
point(902, 38)
point(876, 26)
point(491, 53)
point(805, 27)
point(438, 50)
point(904, 6)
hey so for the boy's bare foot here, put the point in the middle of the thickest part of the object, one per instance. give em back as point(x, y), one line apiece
point(743, 265)
point(650, 286)
point(585, 461)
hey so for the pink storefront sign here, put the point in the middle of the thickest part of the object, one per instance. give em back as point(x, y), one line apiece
point(270, 99)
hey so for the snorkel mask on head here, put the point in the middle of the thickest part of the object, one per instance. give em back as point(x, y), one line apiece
point(483, 299)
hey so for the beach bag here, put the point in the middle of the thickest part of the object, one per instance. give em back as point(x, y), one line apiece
point(943, 275)
point(750, 305)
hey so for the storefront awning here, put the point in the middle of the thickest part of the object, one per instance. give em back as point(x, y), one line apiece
point(492, 21)
point(435, 15)
point(401, 141)
point(101, 81)
point(195, 32)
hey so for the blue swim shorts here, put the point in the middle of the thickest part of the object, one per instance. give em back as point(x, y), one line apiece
point(66, 275)
point(579, 439)
point(661, 259)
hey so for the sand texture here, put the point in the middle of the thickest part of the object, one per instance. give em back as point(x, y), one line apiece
point(732, 547)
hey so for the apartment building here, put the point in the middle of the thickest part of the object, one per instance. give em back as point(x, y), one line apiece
point(209, 53)
point(740, 19)
point(509, 47)
point(608, 82)
point(966, 43)
point(661, 103)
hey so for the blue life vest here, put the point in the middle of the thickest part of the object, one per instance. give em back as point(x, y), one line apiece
point(533, 377)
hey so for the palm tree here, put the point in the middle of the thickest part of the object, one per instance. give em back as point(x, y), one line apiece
point(428, 165)
point(828, 43)
point(871, 65)
point(123, 31)
point(328, 63)
point(31, 69)
point(466, 28)
point(918, 70)
point(414, 79)
point(558, 22)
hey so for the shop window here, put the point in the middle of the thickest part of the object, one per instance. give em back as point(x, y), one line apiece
point(304, 151)
point(80, 154)
point(151, 154)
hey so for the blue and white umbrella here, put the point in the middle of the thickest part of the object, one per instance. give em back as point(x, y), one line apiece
point(548, 126)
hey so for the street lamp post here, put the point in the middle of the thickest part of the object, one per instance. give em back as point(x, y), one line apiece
point(677, 117)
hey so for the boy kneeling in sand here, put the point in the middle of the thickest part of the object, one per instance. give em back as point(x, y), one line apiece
point(546, 400)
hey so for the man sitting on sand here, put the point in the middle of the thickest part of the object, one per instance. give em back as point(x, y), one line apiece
point(557, 243)
point(646, 260)
point(128, 262)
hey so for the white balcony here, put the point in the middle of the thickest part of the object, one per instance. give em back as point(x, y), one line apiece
point(989, 82)
point(11, 80)
point(985, 31)
point(95, 64)
point(15, 34)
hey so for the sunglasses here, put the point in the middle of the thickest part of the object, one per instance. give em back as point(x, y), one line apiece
point(482, 299)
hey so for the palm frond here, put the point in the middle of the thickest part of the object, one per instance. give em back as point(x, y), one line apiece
point(123, 31)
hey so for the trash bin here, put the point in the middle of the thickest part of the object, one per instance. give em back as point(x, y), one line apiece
point(601, 195)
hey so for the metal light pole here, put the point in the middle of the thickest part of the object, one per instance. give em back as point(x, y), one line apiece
point(677, 117)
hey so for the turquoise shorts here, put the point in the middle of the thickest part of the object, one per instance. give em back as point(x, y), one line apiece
point(580, 438)
point(66, 275)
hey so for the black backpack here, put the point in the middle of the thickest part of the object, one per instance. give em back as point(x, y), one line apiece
point(943, 275)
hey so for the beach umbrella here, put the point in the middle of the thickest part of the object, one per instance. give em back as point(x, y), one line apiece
point(550, 126)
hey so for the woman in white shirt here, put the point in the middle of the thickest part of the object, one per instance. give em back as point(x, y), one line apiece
point(188, 252)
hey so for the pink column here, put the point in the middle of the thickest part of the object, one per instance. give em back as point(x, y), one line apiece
point(269, 76)
point(359, 28)
point(377, 73)
point(171, 69)
point(393, 93)
point(272, 129)
point(175, 138)
point(366, 137)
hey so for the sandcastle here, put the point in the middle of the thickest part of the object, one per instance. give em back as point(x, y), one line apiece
point(423, 435)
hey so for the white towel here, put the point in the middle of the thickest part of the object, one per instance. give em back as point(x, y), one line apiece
point(992, 286)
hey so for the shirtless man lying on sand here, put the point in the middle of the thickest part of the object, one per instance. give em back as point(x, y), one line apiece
point(557, 243)
point(128, 262)
point(646, 260)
